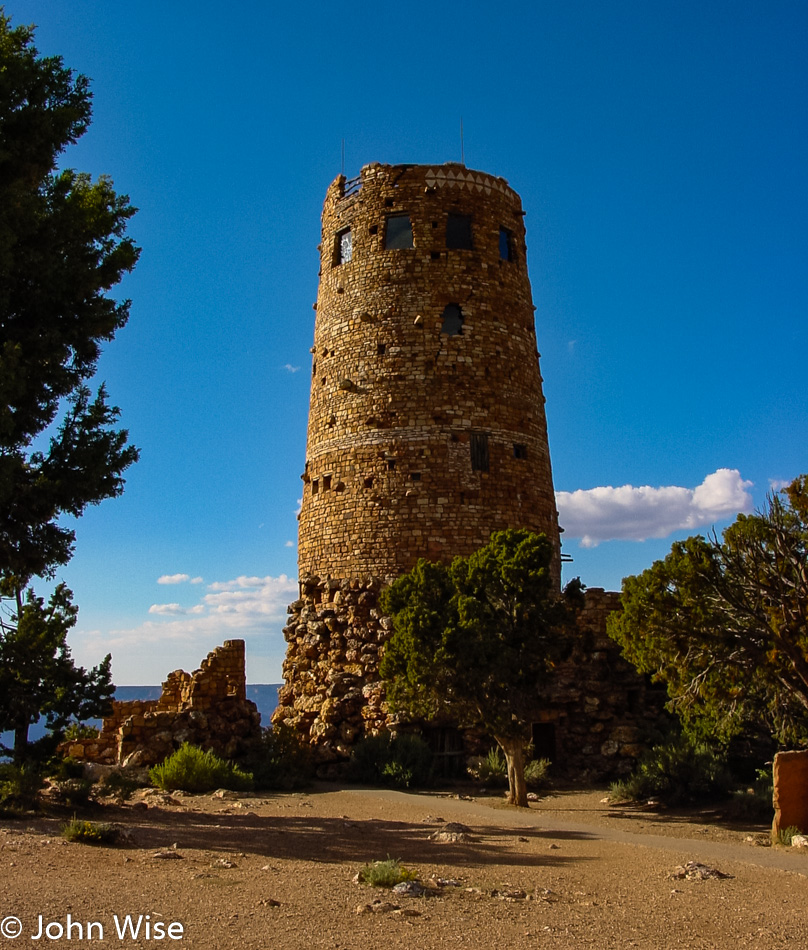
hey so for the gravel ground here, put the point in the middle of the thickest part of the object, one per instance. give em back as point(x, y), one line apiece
point(276, 871)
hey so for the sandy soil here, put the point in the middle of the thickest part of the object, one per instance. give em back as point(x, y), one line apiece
point(275, 871)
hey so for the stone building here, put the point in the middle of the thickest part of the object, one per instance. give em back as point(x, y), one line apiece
point(427, 432)
point(208, 708)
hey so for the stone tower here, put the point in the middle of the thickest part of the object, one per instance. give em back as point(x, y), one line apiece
point(426, 425)
point(427, 429)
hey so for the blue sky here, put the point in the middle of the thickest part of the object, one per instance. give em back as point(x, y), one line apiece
point(660, 151)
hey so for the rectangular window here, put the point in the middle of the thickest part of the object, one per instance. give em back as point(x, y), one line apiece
point(479, 451)
point(505, 244)
point(519, 450)
point(458, 232)
point(398, 233)
point(343, 247)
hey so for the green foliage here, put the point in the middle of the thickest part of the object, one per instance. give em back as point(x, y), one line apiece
point(66, 768)
point(73, 791)
point(89, 832)
point(37, 673)
point(62, 249)
point(491, 770)
point(477, 639)
point(280, 759)
point(78, 730)
point(536, 773)
point(784, 835)
point(19, 788)
point(194, 770)
point(750, 805)
point(385, 873)
point(677, 772)
point(403, 760)
point(725, 624)
point(119, 785)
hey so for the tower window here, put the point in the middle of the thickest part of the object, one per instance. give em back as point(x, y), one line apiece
point(458, 232)
point(479, 451)
point(343, 247)
point(381, 348)
point(315, 487)
point(326, 483)
point(519, 450)
point(398, 233)
point(452, 320)
point(505, 244)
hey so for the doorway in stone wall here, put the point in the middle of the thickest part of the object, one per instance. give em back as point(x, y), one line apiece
point(448, 754)
point(543, 736)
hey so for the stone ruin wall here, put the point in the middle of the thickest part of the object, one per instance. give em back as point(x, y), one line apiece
point(598, 706)
point(208, 708)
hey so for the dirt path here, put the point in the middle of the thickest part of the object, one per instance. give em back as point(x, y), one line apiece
point(569, 872)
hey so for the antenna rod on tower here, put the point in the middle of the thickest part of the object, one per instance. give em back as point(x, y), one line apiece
point(462, 152)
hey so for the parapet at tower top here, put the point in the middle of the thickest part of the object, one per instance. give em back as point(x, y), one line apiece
point(454, 174)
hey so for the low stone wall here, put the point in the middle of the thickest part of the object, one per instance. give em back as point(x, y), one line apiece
point(207, 708)
point(790, 792)
point(592, 719)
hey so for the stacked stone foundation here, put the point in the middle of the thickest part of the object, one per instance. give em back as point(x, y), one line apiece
point(591, 720)
point(208, 708)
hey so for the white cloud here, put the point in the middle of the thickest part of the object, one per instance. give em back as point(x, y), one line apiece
point(197, 580)
point(289, 544)
point(174, 578)
point(636, 514)
point(291, 369)
point(778, 484)
point(247, 608)
point(166, 609)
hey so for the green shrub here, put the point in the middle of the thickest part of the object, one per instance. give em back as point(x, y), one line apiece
point(280, 759)
point(492, 770)
point(749, 806)
point(73, 791)
point(78, 730)
point(119, 785)
point(194, 770)
point(65, 768)
point(19, 788)
point(385, 873)
point(89, 832)
point(784, 835)
point(755, 803)
point(536, 773)
point(677, 772)
point(404, 760)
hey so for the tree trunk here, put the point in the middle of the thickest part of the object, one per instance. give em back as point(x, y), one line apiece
point(514, 750)
point(21, 743)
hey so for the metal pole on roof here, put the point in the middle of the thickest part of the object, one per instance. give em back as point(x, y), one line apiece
point(462, 151)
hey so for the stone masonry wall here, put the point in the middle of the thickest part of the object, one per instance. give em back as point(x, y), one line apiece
point(422, 440)
point(208, 708)
point(598, 706)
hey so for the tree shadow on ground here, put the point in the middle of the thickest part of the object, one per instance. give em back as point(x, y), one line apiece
point(331, 840)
